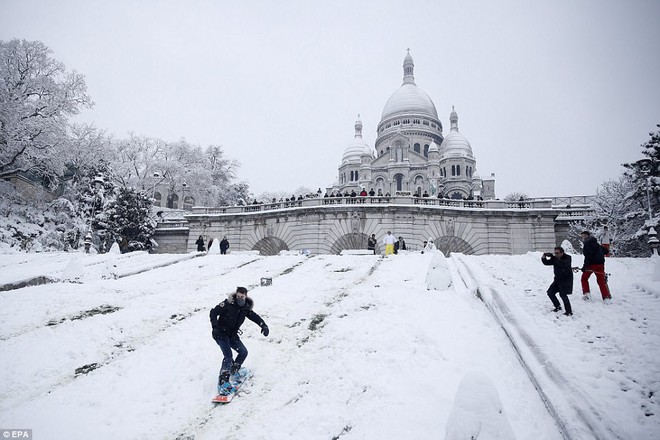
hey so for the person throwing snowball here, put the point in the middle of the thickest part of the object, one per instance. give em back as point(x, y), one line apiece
point(226, 320)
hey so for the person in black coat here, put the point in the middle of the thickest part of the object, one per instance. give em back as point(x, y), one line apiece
point(200, 244)
point(226, 320)
point(371, 243)
point(224, 245)
point(563, 282)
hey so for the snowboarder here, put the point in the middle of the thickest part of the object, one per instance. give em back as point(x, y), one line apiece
point(200, 244)
point(224, 245)
point(594, 262)
point(563, 282)
point(226, 320)
point(371, 243)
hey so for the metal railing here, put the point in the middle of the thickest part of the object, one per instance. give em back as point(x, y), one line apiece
point(375, 201)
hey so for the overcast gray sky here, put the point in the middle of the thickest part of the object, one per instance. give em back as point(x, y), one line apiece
point(552, 95)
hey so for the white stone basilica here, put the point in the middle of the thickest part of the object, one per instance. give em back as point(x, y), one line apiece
point(412, 156)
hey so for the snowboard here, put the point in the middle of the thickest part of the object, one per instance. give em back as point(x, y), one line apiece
point(236, 380)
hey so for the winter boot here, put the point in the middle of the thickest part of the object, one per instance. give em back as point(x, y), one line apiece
point(237, 373)
point(557, 309)
point(224, 386)
point(586, 296)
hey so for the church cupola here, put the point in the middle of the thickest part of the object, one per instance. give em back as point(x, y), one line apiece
point(408, 69)
point(358, 128)
point(453, 119)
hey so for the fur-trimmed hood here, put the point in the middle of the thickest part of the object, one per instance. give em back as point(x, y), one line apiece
point(249, 302)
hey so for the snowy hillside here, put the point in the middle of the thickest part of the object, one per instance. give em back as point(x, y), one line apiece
point(359, 348)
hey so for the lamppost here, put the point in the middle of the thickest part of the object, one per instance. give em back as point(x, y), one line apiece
point(96, 200)
point(153, 190)
point(184, 188)
point(646, 166)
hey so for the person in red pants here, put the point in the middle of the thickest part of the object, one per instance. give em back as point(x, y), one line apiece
point(594, 262)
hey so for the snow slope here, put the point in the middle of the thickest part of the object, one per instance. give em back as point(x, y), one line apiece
point(359, 348)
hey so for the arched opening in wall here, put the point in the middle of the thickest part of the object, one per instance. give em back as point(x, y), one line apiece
point(188, 203)
point(426, 150)
point(157, 199)
point(380, 186)
point(349, 241)
point(173, 201)
point(449, 244)
point(270, 246)
point(456, 195)
point(399, 182)
point(417, 148)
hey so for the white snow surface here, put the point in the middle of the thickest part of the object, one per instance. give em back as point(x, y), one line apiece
point(358, 349)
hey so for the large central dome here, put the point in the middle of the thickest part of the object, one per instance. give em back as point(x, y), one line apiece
point(409, 98)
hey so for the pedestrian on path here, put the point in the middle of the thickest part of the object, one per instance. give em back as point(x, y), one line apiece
point(388, 241)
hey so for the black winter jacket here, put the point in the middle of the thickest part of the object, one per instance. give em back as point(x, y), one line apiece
point(227, 317)
point(563, 272)
point(593, 252)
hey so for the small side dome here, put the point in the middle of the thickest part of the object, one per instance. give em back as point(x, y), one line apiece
point(433, 148)
point(358, 148)
point(455, 144)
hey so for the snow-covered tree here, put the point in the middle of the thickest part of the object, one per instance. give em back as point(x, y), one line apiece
point(645, 176)
point(128, 221)
point(515, 196)
point(37, 96)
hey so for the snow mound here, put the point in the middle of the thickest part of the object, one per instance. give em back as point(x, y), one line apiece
point(215, 247)
point(114, 249)
point(438, 276)
point(568, 247)
point(478, 412)
point(356, 252)
point(73, 272)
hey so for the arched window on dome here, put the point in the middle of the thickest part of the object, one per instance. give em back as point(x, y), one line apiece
point(453, 170)
point(417, 148)
point(426, 150)
point(425, 122)
point(458, 170)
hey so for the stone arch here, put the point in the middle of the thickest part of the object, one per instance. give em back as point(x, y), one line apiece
point(349, 241)
point(270, 246)
point(449, 243)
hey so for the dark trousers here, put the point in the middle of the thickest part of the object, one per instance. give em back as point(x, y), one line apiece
point(553, 290)
point(223, 251)
point(227, 343)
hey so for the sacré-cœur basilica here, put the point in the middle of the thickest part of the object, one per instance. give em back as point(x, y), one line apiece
point(422, 184)
point(412, 155)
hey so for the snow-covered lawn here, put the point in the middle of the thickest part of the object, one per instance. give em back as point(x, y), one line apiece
point(359, 349)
